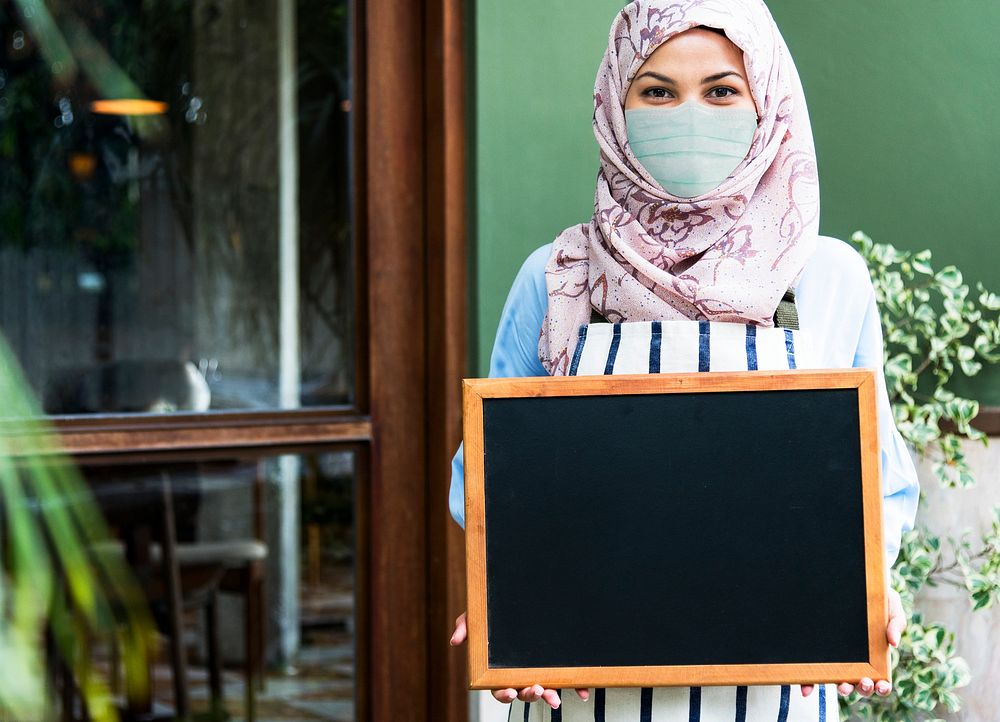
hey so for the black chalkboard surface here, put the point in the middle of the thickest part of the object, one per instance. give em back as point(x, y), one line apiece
point(674, 529)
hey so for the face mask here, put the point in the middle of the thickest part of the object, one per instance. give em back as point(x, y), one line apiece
point(690, 149)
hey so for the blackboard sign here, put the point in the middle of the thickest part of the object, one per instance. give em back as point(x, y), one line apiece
point(674, 529)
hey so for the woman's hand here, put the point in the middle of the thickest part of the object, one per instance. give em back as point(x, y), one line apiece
point(528, 694)
point(893, 631)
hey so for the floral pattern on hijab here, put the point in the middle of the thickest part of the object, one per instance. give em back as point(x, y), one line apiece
point(753, 233)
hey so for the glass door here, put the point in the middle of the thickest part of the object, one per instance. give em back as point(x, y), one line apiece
point(183, 281)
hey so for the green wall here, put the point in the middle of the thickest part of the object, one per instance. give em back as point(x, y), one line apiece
point(536, 160)
point(905, 107)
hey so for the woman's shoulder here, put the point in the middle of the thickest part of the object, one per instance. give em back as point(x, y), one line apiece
point(515, 348)
point(839, 256)
point(528, 296)
point(530, 279)
point(834, 296)
point(534, 264)
point(835, 264)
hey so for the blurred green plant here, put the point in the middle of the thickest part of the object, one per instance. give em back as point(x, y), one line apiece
point(55, 584)
point(935, 326)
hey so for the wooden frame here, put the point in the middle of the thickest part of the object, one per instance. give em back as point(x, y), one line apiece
point(409, 216)
point(484, 677)
point(447, 318)
point(414, 217)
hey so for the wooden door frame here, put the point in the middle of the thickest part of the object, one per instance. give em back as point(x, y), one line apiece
point(415, 225)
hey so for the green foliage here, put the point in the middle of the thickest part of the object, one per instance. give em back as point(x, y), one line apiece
point(54, 580)
point(934, 328)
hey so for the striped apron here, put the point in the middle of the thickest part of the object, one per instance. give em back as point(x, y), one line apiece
point(676, 347)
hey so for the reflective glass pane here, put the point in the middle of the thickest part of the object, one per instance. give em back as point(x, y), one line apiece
point(279, 527)
point(175, 203)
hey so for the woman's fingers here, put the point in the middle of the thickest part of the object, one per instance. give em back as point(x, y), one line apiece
point(895, 630)
point(505, 695)
point(458, 636)
point(534, 693)
point(531, 694)
point(552, 697)
point(865, 687)
point(807, 689)
point(897, 619)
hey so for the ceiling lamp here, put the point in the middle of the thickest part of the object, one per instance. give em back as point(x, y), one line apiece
point(128, 106)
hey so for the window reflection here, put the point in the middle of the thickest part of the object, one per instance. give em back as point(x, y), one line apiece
point(145, 254)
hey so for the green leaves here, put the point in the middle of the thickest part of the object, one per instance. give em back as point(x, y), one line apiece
point(989, 300)
point(982, 569)
point(933, 327)
point(57, 583)
point(921, 263)
point(949, 277)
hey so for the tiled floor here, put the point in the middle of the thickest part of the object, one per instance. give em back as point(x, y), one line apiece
point(322, 685)
point(321, 689)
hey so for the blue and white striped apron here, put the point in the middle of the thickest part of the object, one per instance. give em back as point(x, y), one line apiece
point(674, 347)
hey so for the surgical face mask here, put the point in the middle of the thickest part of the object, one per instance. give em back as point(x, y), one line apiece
point(690, 149)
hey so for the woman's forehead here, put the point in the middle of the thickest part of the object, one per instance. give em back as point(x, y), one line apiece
point(697, 48)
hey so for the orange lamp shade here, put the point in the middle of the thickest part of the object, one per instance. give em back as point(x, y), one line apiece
point(128, 106)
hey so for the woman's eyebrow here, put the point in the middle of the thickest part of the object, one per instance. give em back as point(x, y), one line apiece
point(661, 78)
point(720, 76)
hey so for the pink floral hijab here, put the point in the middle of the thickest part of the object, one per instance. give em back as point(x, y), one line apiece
point(756, 230)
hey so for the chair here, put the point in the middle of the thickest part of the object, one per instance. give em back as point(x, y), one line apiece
point(178, 576)
point(204, 570)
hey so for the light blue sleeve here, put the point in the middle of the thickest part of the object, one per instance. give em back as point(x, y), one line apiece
point(515, 350)
point(900, 487)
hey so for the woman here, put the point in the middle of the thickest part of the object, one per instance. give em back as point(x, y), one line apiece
point(706, 221)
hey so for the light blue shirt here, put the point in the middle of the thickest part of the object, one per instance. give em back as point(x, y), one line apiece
point(836, 304)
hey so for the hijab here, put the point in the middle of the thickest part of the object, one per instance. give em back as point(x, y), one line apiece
point(755, 231)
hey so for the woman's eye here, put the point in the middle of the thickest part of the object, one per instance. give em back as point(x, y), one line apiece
point(722, 92)
point(657, 93)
